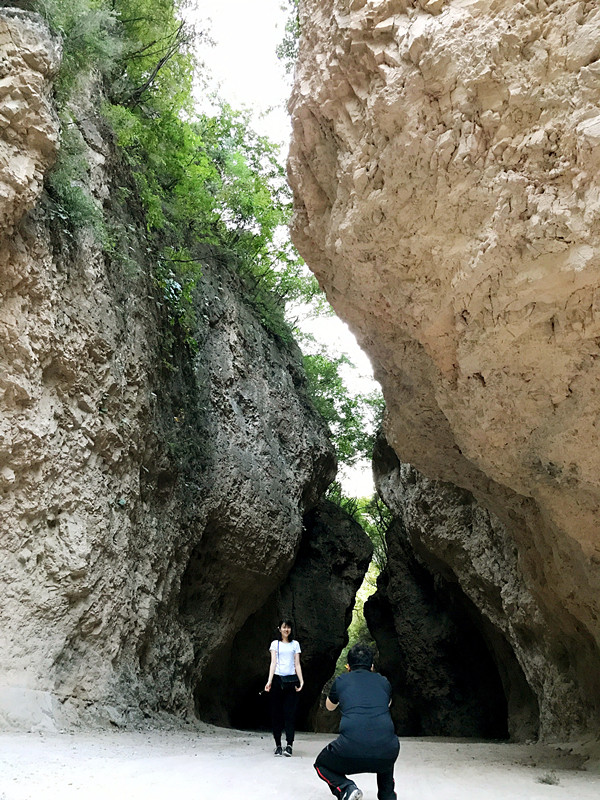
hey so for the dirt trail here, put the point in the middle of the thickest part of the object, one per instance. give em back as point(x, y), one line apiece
point(226, 765)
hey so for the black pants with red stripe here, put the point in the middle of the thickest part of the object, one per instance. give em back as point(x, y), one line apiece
point(333, 769)
point(284, 702)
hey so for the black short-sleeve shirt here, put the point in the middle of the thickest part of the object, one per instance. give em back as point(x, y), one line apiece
point(366, 729)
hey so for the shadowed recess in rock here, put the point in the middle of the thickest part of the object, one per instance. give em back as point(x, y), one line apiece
point(456, 669)
point(319, 594)
point(444, 679)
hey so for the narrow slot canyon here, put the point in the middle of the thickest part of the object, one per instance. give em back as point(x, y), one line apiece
point(352, 383)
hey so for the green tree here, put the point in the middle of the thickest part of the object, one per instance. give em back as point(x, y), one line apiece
point(287, 50)
point(201, 178)
point(373, 516)
point(358, 630)
point(352, 417)
point(158, 63)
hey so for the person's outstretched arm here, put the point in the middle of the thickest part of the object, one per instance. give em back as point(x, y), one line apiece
point(298, 671)
point(271, 670)
point(332, 701)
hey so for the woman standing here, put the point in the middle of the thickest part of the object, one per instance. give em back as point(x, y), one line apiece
point(284, 683)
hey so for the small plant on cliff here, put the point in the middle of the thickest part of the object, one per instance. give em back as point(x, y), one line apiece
point(90, 40)
point(68, 202)
point(176, 275)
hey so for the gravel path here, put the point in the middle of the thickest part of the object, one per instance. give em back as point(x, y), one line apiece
point(217, 764)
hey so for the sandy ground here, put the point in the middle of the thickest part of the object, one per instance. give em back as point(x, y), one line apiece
point(217, 764)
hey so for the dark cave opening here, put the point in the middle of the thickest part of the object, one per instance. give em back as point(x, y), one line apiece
point(471, 687)
point(486, 697)
point(452, 672)
point(471, 705)
point(251, 711)
point(318, 594)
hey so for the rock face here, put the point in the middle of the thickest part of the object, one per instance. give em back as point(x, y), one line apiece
point(319, 595)
point(28, 123)
point(444, 163)
point(444, 614)
point(443, 678)
point(152, 498)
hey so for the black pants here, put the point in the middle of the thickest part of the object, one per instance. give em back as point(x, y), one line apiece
point(284, 702)
point(333, 769)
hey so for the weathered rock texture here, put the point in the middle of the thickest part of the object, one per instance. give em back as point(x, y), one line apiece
point(452, 616)
point(28, 123)
point(443, 678)
point(445, 166)
point(152, 499)
point(318, 594)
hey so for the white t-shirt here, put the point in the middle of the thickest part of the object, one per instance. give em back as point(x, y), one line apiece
point(285, 658)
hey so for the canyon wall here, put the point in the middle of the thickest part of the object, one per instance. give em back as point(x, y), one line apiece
point(445, 168)
point(153, 495)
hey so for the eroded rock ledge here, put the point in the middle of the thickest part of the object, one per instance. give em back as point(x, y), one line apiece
point(445, 167)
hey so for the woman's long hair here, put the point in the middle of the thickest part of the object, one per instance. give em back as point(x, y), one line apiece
point(286, 622)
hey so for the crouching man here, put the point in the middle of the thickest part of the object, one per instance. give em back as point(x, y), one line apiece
point(367, 741)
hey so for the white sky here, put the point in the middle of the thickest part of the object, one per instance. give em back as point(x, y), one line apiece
point(243, 59)
point(247, 73)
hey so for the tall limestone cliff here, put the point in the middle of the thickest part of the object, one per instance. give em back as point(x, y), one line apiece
point(445, 166)
point(152, 496)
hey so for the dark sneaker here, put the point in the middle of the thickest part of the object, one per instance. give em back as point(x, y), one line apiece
point(288, 750)
point(278, 751)
point(353, 793)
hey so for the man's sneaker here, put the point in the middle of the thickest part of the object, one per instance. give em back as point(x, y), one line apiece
point(278, 751)
point(353, 793)
point(288, 750)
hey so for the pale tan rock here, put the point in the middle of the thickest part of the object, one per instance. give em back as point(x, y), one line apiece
point(29, 132)
point(448, 200)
